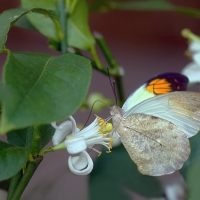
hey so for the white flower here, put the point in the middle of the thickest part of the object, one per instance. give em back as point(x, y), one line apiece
point(192, 70)
point(77, 142)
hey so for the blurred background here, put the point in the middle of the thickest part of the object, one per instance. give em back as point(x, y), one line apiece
point(144, 44)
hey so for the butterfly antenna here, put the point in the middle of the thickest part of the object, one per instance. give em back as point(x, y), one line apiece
point(91, 111)
point(112, 83)
point(114, 91)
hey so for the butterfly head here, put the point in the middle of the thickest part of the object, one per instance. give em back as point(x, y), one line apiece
point(115, 110)
point(117, 114)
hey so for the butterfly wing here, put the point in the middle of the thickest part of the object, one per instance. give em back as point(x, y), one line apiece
point(156, 145)
point(161, 84)
point(180, 108)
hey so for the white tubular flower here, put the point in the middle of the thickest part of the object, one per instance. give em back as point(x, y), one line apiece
point(77, 141)
point(192, 70)
point(80, 165)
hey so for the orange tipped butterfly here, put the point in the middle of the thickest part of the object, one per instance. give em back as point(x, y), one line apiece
point(156, 121)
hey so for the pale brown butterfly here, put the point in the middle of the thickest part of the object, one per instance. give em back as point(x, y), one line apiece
point(155, 123)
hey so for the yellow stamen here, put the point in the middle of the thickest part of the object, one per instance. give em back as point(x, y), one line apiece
point(105, 127)
point(111, 142)
point(99, 154)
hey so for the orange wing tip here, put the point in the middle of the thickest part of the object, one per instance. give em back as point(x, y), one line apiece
point(159, 86)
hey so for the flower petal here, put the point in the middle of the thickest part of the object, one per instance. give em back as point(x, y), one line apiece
point(80, 165)
point(60, 134)
point(63, 130)
point(74, 128)
point(196, 58)
point(90, 130)
point(76, 145)
point(192, 71)
point(194, 47)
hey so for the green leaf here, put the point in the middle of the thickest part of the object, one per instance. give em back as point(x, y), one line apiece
point(194, 155)
point(190, 169)
point(44, 88)
point(46, 135)
point(12, 159)
point(115, 174)
point(78, 32)
point(193, 180)
point(150, 5)
point(4, 185)
point(191, 12)
point(43, 24)
point(21, 137)
point(23, 22)
point(9, 17)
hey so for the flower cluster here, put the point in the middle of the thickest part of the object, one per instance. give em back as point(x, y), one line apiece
point(77, 141)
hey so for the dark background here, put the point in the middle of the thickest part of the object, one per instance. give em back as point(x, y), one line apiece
point(144, 44)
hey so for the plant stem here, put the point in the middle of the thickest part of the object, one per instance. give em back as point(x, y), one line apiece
point(63, 22)
point(13, 184)
point(186, 33)
point(120, 89)
point(96, 58)
point(106, 51)
point(31, 168)
point(35, 144)
point(114, 66)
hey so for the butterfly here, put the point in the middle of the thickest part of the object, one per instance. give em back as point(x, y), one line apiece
point(155, 123)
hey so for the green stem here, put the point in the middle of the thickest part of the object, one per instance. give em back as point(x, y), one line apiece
point(106, 51)
point(35, 144)
point(31, 168)
point(114, 66)
point(55, 148)
point(120, 89)
point(13, 184)
point(96, 58)
point(63, 22)
point(186, 33)
point(103, 70)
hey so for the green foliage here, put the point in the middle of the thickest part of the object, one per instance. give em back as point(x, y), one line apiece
point(78, 33)
point(78, 30)
point(190, 170)
point(132, 5)
point(9, 17)
point(4, 185)
point(149, 5)
point(115, 174)
point(194, 155)
point(44, 88)
point(21, 137)
point(193, 180)
point(12, 159)
point(38, 88)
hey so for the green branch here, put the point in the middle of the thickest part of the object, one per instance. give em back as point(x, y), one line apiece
point(63, 23)
point(35, 144)
point(13, 184)
point(31, 168)
point(115, 70)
